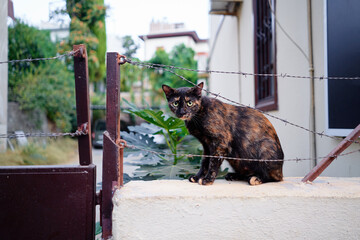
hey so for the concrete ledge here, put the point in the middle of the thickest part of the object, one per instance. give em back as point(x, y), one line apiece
point(325, 209)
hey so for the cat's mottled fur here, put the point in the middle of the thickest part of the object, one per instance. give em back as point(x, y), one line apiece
point(231, 131)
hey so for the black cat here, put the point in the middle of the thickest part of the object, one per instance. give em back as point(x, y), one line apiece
point(229, 131)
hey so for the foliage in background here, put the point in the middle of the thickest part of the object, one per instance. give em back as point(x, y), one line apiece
point(57, 151)
point(51, 89)
point(44, 85)
point(87, 27)
point(129, 46)
point(131, 76)
point(179, 56)
point(98, 99)
point(26, 42)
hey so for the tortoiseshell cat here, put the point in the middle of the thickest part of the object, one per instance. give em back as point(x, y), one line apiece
point(231, 131)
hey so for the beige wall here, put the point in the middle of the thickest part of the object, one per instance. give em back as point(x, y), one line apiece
point(293, 93)
point(3, 71)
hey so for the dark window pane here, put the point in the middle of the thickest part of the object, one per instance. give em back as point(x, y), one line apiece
point(265, 86)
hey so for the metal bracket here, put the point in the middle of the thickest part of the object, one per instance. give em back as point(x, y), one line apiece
point(121, 59)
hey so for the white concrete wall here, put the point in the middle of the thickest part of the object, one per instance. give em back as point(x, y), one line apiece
point(293, 94)
point(246, 49)
point(3, 71)
point(224, 57)
point(326, 209)
point(234, 51)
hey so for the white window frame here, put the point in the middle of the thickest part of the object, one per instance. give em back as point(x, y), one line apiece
point(340, 132)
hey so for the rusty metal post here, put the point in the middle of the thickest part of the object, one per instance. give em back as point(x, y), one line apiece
point(318, 169)
point(112, 154)
point(82, 103)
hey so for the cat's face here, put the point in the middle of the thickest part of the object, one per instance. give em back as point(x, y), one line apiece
point(184, 102)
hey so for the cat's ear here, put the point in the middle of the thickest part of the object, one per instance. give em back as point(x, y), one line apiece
point(198, 89)
point(167, 90)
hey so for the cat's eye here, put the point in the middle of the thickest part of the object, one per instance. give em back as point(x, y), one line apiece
point(189, 103)
point(175, 104)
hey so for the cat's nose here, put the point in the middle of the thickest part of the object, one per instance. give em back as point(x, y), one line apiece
point(182, 111)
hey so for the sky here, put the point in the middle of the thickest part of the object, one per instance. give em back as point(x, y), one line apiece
point(128, 17)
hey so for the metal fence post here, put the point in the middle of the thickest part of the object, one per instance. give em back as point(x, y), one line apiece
point(318, 169)
point(82, 103)
point(112, 154)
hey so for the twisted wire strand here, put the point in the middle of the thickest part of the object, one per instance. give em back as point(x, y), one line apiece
point(162, 67)
point(67, 54)
point(238, 159)
point(279, 75)
point(40, 134)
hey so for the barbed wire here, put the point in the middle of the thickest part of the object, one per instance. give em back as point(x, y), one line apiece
point(78, 132)
point(165, 68)
point(41, 134)
point(280, 75)
point(103, 107)
point(170, 69)
point(67, 54)
point(151, 65)
point(237, 159)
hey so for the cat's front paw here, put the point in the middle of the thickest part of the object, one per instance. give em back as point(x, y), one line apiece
point(254, 181)
point(205, 181)
point(193, 179)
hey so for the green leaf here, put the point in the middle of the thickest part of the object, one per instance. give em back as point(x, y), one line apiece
point(157, 118)
point(175, 129)
point(139, 140)
point(98, 228)
point(145, 128)
point(166, 170)
point(144, 142)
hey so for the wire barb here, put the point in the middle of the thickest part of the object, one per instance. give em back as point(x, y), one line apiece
point(81, 131)
point(166, 68)
point(67, 54)
point(233, 158)
point(280, 75)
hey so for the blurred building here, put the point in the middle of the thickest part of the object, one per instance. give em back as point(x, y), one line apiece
point(164, 35)
point(58, 30)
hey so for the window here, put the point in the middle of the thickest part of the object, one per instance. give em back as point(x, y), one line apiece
point(342, 47)
point(265, 55)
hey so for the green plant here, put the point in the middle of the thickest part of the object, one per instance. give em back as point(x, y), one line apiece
point(98, 99)
point(49, 88)
point(155, 163)
point(87, 27)
point(44, 85)
point(129, 46)
point(180, 55)
point(173, 129)
point(98, 228)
